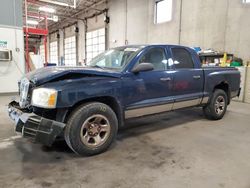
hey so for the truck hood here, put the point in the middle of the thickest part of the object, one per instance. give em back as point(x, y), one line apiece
point(48, 74)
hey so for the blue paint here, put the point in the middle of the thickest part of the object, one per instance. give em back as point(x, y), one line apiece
point(76, 84)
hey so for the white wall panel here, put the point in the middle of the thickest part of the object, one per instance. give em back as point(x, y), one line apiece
point(11, 72)
point(242, 84)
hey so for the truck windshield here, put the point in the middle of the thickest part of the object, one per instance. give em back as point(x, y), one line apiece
point(116, 58)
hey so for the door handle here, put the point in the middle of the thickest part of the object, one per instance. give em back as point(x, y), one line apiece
point(165, 79)
point(197, 77)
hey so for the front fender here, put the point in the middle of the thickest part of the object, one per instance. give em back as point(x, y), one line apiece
point(70, 92)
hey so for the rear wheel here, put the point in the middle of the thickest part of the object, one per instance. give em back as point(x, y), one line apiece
point(91, 129)
point(217, 107)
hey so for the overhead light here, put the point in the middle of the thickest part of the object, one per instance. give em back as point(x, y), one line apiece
point(60, 3)
point(47, 9)
point(32, 22)
point(55, 18)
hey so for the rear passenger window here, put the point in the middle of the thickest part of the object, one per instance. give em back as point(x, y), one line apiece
point(182, 58)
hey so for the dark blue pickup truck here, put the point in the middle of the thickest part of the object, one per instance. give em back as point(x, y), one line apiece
point(87, 105)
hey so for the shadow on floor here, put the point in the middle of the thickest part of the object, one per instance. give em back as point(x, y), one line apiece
point(135, 127)
point(132, 128)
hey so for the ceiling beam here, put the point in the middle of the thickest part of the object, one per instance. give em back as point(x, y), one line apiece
point(74, 15)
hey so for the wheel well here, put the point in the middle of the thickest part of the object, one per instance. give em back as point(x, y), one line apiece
point(110, 101)
point(225, 87)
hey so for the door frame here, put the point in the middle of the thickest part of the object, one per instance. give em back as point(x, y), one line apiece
point(150, 106)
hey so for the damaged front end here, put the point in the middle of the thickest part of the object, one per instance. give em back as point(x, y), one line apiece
point(30, 125)
point(37, 114)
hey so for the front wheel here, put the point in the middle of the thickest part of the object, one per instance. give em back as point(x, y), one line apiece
point(217, 107)
point(91, 129)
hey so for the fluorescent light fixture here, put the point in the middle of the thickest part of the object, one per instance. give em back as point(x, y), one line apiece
point(47, 9)
point(55, 18)
point(32, 22)
point(60, 3)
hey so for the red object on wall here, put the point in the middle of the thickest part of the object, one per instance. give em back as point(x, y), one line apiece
point(45, 50)
point(36, 31)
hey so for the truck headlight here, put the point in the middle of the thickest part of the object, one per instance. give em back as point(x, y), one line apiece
point(44, 97)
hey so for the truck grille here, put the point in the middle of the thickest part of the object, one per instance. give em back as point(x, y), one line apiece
point(24, 91)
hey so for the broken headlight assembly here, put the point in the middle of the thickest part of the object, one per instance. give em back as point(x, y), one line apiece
point(23, 91)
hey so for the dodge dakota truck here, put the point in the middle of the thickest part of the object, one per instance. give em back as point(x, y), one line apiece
point(87, 105)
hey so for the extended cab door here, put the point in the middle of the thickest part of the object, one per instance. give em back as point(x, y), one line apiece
point(149, 92)
point(188, 78)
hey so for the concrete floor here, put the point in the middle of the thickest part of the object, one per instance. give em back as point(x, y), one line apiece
point(180, 149)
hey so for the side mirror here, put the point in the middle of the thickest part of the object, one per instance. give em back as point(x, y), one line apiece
point(143, 67)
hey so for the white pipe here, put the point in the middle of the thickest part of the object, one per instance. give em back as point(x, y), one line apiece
point(74, 4)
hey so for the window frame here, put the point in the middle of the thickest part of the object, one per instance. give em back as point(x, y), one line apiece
point(246, 2)
point(173, 59)
point(94, 43)
point(71, 51)
point(53, 54)
point(147, 50)
point(156, 12)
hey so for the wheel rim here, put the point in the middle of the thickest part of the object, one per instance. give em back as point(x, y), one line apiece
point(220, 105)
point(95, 131)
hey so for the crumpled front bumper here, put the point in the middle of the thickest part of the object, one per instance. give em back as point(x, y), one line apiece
point(39, 129)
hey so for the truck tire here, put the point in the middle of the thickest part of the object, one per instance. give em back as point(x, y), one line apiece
point(217, 106)
point(91, 129)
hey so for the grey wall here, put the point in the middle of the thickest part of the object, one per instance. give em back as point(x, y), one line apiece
point(237, 38)
point(11, 13)
point(221, 25)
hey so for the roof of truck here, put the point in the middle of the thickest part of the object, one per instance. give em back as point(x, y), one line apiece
point(149, 45)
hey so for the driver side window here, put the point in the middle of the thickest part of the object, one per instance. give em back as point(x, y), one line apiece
point(155, 56)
